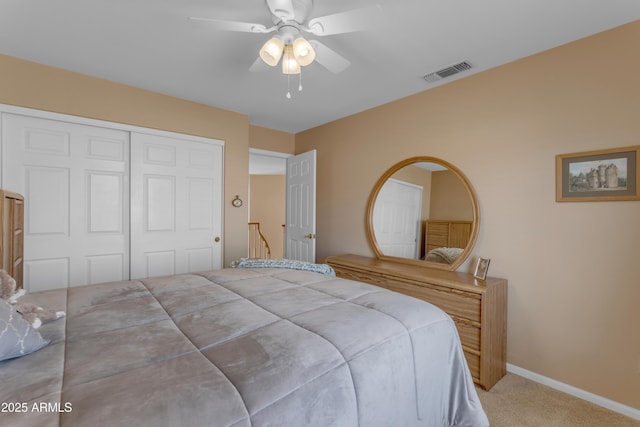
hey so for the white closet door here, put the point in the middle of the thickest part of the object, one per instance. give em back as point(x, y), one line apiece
point(74, 181)
point(176, 206)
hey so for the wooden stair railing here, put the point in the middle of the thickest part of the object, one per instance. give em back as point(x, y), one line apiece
point(258, 246)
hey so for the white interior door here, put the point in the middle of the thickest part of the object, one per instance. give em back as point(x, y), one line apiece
point(301, 207)
point(176, 205)
point(74, 179)
point(396, 218)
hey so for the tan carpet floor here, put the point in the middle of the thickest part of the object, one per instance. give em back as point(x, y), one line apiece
point(518, 402)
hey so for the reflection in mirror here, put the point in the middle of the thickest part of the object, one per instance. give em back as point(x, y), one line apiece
point(423, 210)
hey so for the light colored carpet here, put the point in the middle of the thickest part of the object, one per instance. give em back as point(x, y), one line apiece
point(518, 402)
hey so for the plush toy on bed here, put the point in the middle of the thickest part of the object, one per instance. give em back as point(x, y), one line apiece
point(8, 288)
point(36, 315)
point(32, 313)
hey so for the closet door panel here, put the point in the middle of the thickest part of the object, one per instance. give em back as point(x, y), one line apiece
point(160, 203)
point(102, 268)
point(46, 273)
point(106, 202)
point(200, 209)
point(199, 259)
point(156, 264)
point(176, 205)
point(48, 190)
point(75, 182)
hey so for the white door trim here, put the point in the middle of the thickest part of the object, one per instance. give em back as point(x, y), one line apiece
point(41, 114)
point(261, 160)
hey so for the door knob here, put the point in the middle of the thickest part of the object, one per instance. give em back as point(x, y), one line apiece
point(310, 236)
point(217, 239)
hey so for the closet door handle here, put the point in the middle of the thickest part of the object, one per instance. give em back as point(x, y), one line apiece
point(216, 239)
point(310, 236)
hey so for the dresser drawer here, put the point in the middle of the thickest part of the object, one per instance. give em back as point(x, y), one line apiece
point(441, 229)
point(473, 360)
point(372, 279)
point(456, 303)
point(469, 333)
point(438, 241)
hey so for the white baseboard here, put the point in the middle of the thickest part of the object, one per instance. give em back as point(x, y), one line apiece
point(574, 391)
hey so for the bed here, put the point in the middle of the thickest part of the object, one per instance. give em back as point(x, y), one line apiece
point(444, 255)
point(241, 347)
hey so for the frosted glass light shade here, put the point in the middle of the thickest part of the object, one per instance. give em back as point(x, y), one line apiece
point(271, 51)
point(303, 51)
point(289, 63)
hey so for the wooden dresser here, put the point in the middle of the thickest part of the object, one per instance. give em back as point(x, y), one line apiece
point(478, 307)
point(451, 234)
point(12, 230)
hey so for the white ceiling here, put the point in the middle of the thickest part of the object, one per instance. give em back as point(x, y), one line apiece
point(151, 44)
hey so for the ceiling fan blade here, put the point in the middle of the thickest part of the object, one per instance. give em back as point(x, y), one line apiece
point(328, 58)
point(346, 22)
point(283, 9)
point(243, 27)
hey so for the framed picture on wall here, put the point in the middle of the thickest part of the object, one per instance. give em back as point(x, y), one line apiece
point(602, 175)
point(482, 266)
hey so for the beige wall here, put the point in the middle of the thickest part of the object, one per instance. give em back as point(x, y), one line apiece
point(573, 270)
point(268, 208)
point(272, 140)
point(449, 197)
point(31, 85)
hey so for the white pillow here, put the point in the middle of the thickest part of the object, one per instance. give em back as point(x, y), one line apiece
point(17, 336)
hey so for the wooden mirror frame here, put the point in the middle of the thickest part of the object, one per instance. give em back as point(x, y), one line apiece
point(475, 209)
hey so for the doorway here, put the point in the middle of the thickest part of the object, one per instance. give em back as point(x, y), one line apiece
point(267, 196)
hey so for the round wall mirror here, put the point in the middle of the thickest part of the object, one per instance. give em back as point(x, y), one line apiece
point(423, 211)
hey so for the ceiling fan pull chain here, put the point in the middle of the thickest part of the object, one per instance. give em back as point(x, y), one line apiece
point(300, 80)
point(288, 90)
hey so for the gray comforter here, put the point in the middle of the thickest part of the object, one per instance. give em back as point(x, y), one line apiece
point(242, 347)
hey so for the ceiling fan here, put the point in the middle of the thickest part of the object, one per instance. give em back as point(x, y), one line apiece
point(290, 19)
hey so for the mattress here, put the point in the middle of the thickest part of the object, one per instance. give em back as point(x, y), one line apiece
point(241, 347)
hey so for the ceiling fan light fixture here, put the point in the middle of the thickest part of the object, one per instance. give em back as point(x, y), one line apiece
point(289, 63)
point(271, 51)
point(303, 52)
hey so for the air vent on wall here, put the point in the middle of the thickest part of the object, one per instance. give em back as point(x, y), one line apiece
point(447, 72)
